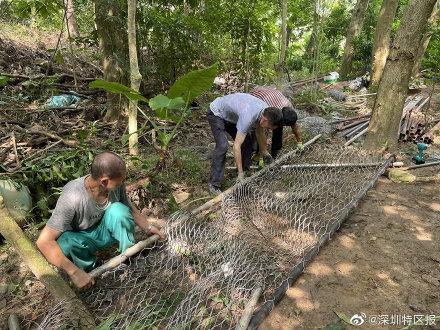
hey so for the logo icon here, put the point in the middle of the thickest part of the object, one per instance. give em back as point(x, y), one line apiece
point(358, 319)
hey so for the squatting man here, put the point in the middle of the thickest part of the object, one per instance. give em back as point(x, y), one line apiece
point(92, 213)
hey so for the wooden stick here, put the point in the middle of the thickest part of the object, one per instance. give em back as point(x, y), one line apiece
point(414, 167)
point(249, 309)
point(119, 259)
point(38, 264)
point(350, 119)
point(355, 123)
point(359, 128)
point(357, 136)
point(342, 165)
point(14, 145)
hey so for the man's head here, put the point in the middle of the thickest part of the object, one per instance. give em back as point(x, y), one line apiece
point(289, 116)
point(108, 169)
point(271, 118)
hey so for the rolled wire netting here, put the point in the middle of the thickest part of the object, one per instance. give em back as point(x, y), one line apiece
point(267, 229)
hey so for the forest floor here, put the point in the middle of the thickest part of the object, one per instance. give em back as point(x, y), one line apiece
point(384, 260)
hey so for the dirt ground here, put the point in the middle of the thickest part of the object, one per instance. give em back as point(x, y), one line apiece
point(384, 260)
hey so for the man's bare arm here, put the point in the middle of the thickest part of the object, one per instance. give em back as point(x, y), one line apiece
point(297, 133)
point(47, 244)
point(261, 139)
point(239, 139)
point(144, 223)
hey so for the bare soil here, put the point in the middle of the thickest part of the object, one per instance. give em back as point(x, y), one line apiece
point(384, 260)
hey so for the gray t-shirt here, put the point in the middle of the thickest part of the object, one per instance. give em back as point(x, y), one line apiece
point(76, 209)
point(239, 108)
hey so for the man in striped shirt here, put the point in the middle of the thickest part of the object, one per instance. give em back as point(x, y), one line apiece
point(276, 99)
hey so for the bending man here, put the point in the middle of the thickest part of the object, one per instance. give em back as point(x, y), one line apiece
point(276, 99)
point(238, 115)
point(92, 213)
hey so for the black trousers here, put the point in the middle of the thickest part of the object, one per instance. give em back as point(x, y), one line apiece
point(219, 128)
point(277, 141)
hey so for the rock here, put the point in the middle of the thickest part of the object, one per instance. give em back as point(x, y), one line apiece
point(28, 283)
point(400, 176)
point(315, 125)
point(430, 279)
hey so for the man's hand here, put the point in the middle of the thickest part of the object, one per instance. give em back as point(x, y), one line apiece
point(267, 158)
point(153, 230)
point(300, 146)
point(82, 280)
point(240, 177)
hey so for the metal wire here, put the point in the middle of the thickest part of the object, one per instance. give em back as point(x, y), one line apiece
point(266, 231)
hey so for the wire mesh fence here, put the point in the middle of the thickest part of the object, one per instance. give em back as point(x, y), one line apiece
point(260, 240)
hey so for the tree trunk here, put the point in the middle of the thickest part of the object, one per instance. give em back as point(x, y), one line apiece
point(354, 29)
point(33, 15)
point(432, 24)
point(135, 78)
point(382, 37)
point(111, 29)
point(71, 19)
point(393, 88)
point(41, 268)
point(283, 43)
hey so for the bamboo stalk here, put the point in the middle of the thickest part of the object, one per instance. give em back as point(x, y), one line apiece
point(119, 259)
point(39, 266)
point(249, 309)
point(342, 165)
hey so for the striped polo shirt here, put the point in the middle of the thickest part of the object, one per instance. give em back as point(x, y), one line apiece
point(271, 96)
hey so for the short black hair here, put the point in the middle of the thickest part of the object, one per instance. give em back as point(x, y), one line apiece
point(274, 116)
point(289, 116)
point(108, 164)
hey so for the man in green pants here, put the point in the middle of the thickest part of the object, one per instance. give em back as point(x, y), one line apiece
point(92, 213)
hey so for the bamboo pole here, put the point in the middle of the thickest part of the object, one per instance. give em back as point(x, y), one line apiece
point(357, 136)
point(249, 309)
point(40, 267)
point(357, 130)
point(119, 259)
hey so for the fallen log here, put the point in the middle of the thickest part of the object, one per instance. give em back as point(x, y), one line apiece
point(40, 267)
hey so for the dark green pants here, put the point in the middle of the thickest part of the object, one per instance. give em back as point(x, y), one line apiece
point(117, 225)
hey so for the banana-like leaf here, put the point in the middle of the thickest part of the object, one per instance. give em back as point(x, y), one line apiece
point(3, 80)
point(193, 84)
point(116, 88)
point(162, 101)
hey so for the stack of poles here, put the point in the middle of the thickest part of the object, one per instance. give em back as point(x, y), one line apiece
point(412, 126)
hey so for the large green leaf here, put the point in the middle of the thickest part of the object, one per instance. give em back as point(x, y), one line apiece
point(161, 101)
point(3, 81)
point(116, 88)
point(193, 84)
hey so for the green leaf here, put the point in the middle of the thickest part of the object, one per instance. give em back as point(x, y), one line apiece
point(159, 101)
point(343, 317)
point(4, 80)
point(59, 59)
point(164, 114)
point(106, 325)
point(116, 88)
point(193, 84)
